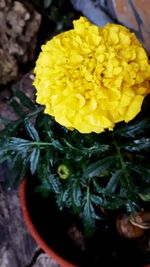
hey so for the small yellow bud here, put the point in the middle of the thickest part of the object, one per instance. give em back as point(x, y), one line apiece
point(63, 171)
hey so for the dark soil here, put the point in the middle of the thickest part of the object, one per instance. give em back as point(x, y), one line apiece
point(104, 249)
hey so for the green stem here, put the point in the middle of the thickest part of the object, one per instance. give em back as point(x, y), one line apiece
point(71, 146)
point(38, 110)
point(120, 156)
point(37, 143)
point(88, 195)
point(123, 165)
point(88, 192)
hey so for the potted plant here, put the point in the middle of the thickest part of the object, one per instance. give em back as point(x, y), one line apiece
point(84, 148)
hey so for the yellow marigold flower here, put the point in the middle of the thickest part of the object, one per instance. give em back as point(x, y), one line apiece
point(90, 78)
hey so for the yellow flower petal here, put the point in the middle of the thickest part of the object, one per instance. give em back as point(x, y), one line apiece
point(76, 59)
point(134, 108)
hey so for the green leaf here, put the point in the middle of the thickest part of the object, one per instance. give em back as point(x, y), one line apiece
point(98, 148)
point(145, 196)
point(47, 3)
point(56, 144)
point(99, 168)
point(128, 189)
point(16, 141)
point(17, 166)
point(54, 182)
point(11, 129)
point(76, 196)
point(94, 149)
point(62, 198)
point(88, 218)
point(99, 189)
point(114, 202)
point(44, 188)
point(25, 100)
point(22, 171)
point(142, 171)
point(113, 182)
point(139, 145)
point(132, 129)
point(131, 206)
point(17, 108)
point(4, 152)
point(34, 159)
point(19, 144)
point(97, 200)
point(31, 130)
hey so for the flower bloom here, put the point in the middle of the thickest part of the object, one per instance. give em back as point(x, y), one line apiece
point(90, 78)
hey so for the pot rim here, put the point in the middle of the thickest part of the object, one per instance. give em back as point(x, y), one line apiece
point(34, 232)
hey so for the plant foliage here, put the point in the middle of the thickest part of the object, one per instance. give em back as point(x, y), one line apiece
point(107, 171)
point(58, 13)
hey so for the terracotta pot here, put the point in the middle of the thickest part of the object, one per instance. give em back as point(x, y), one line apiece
point(34, 232)
point(36, 235)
